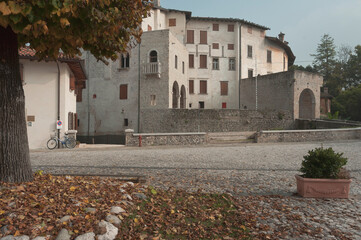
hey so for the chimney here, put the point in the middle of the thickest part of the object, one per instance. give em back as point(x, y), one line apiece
point(281, 36)
point(156, 3)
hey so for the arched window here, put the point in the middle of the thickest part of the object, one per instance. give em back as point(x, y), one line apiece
point(153, 56)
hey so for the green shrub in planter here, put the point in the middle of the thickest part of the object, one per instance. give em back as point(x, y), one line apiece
point(324, 163)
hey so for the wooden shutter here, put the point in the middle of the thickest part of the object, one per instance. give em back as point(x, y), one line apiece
point(75, 121)
point(230, 28)
point(191, 61)
point(79, 94)
point(203, 37)
point(72, 82)
point(70, 121)
point(215, 27)
point(203, 87)
point(190, 36)
point(191, 86)
point(123, 92)
point(203, 61)
point(215, 45)
point(224, 88)
point(224, 105)
point(230, 46)
point(172, 22)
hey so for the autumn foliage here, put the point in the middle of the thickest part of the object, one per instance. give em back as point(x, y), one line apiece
point(103, 27)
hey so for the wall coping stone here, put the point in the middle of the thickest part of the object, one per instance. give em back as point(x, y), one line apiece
point(167, 134)
point(311, 130)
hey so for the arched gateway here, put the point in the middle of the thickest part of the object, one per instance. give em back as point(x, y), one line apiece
point(307, 104)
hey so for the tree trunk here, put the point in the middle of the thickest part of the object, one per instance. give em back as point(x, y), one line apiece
point(14, 149)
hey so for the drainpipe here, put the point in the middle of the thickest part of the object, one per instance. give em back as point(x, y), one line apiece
point(240, 66)
point(88, 87)
point(139, 87)
point(57, 64)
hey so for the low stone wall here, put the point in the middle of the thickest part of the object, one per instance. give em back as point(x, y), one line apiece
point(324, 124)
point(157, 139)
point(308, 135)
point(213, 120)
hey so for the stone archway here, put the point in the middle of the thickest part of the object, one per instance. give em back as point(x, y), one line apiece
point(307, 104)
point(183, 97)
point(175, 93)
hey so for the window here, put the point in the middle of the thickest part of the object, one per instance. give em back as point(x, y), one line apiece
point(201, 105)
point(190, 36)
point(152, 100)
point(126, 122)
point(215, 27)
point(232, 64)
point(79, 95)
point(203, 87)
point(149, 28)
point(191, 86)
point(224, 88)
point(230, 46)
point(72, 121)
point(249, 51)
point(224, 105)
point(203, 61)
point(250, 73)
point(183, 67)
point(153, 56)
point(123, 92)
point(176, 62)
point(124, 61)
point(215, 64)
point(250, 30)
point(203, 37)
point(172, 22)
point(215, 45)
point(269, 56)
point(230, 28)
point(191, 61)
point(72, 82)
point(284, 63)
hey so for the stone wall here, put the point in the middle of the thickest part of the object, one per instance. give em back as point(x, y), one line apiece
point(308, 135)
point(212, 120)
point(158, 139)
point(324, 124)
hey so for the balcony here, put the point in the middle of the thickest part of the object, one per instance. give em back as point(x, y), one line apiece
point(153, 68)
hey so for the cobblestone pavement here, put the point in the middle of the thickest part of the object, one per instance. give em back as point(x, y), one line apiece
point(252, 169)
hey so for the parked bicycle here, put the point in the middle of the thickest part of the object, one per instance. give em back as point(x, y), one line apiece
point(68, 142)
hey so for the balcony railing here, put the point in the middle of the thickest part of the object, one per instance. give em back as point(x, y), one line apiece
point(152, 68)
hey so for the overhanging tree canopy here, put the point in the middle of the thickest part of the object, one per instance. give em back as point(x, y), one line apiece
point(104, 27)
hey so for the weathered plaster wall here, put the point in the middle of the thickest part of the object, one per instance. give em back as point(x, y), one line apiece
point(41, 100)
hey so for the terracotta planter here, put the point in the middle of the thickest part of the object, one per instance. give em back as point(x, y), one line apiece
point(323, 188)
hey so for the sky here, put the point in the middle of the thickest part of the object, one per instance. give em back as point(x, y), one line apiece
point(304, 22)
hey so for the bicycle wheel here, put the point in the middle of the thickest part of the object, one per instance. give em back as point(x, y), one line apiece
point(70, 143)
point(52, 143)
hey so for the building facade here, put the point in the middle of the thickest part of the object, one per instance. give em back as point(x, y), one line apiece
point(49, 92)
point(183, 62)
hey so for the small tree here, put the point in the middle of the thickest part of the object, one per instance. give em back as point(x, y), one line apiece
point(104, 27)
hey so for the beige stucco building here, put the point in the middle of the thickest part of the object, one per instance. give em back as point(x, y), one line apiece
point(40, 82)
point(183, 62)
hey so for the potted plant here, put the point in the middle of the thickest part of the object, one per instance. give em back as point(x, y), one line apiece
point(323, 175)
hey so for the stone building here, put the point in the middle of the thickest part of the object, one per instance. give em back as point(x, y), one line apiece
point(183, 62)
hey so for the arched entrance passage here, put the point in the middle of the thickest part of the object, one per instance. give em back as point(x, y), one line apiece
point(175, 93)
point(307, 104)
point(183, 97)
